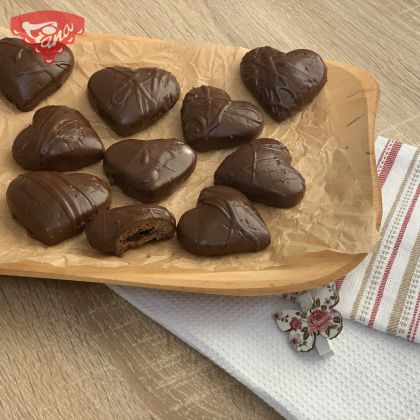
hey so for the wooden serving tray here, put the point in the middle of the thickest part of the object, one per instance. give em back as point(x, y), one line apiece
point(303, 272)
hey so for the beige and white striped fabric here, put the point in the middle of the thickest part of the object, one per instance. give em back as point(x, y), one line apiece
point(383, 292)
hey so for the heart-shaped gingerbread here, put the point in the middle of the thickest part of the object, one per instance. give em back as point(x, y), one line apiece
point(283, 83)
point(24, 77)
point(224, 222)
point(53, 206)
point(116, 230)
point(211, 120)
point(149, 170)
point(130, 100)
point(59, 139)
point(262, 171)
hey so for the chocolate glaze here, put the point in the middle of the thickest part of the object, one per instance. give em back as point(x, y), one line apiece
point(118, 229)
point(24, 77)
point(54, 206)
point(211, 120)
point(149, 170)
point(224, 222)
point(262, 171)
point(283, 83)
point(130, 100)
point(59, 139)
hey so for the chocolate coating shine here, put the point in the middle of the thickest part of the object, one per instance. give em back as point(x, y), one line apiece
point(24, 77)
point(262, 171)
point(54, 206)
point(130, 100)
point(121, 228)
point(59, 139)
point(149, 170)
point(211, 120)
point(224, 222)
point(283, 83)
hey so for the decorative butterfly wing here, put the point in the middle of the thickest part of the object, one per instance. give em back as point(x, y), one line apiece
point(320, 319)
point(288, 319)
point(326, 296)
point(295, 321)
point(292, 296)
point(335, 326)
point(302, 341)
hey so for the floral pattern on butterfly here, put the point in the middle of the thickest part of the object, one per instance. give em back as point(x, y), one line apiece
point(320, 319)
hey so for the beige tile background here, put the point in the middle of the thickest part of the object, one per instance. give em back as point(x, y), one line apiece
point(70, 350)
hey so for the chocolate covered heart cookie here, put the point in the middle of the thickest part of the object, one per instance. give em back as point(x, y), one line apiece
point(54, 206)
point(59, 139)
point(211, 120)
point(130, 100)
point(149, 170)
point(116, 230)
point(224, 222)
point(262, 171)
point(24, 77)
point(283, 83)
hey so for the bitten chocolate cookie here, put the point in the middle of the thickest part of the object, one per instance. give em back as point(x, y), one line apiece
point(53, 206)
point(130, 100)
point(59, 139)
point(211, 120)
point(116, 230)
point(149, 170)
point(283, 83)
point(24, 77)
point(262, 171)
point(224, 222)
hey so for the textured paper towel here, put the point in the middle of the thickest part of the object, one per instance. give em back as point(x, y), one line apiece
point(311, 136)
point(372, 376)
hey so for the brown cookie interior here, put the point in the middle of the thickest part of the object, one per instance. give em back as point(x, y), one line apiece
point(143, 232)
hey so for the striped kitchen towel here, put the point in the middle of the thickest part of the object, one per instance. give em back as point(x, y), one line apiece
point(383, 292)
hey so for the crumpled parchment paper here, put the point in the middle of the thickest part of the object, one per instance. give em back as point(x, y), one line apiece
point(335, 214)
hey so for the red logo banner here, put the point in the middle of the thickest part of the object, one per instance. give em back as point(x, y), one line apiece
point(47, 31)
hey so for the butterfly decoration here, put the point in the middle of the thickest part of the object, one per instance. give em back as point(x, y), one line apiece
point(320, 319)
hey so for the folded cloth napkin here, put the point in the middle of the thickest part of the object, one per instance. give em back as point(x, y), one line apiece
point(383, 291)
point(372, 375)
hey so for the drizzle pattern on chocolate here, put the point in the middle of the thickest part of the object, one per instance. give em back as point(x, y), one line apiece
point(130, 100)
point(60, 139)
point(224, 222)
point(24, 77)
point(55, 206)
point(261, 169)
point(149, 170)
point(283, 83)
point(121, 228)
point(211, 120)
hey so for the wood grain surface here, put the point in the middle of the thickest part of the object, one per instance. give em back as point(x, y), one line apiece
point(70, 350)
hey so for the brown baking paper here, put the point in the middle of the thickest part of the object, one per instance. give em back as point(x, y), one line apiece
point(334, 214)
